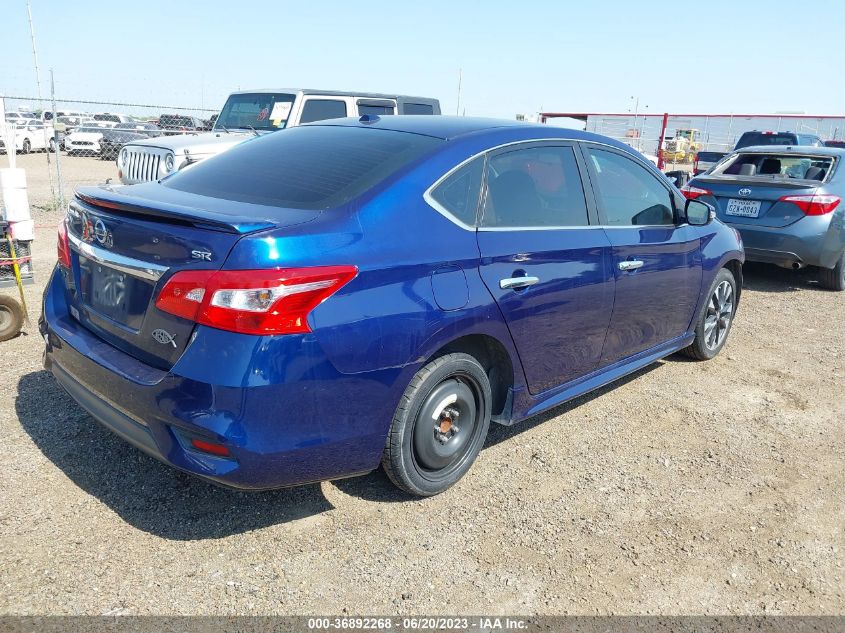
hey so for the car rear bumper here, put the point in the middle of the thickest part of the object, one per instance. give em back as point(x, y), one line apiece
point(811, 241)
point(277, 434)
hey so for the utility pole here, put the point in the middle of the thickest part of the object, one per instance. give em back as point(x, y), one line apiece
point(40, 101)
point(460, 81)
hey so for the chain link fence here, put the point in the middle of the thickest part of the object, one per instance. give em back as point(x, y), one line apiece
point(65, 143)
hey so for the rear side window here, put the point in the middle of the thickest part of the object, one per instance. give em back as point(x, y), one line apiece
point(417, 108)
point(458, 194)
point(534, 187)
point(312, 167)
point(375, 110)
point(629, 194)
point(322, 109)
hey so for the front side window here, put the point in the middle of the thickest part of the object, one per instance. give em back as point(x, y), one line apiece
point(322, 109)
point(534, 187)
point(458, 194)
point(629, 194)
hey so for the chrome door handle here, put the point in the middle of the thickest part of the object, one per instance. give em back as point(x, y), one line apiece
point(515, 283)
point(630, 264)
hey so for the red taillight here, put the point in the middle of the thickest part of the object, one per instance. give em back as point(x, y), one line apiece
point(691, 193)
point(252, 301)
point(210, 447)
point(814, 204)
point(63, 245)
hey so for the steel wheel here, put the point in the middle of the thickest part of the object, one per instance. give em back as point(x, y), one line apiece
point(719, 313)
point(445, 427)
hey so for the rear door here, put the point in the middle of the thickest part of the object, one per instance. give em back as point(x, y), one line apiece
point(545, 261)
point(656, 261)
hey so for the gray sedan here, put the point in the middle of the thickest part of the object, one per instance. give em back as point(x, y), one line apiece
point(785, 201)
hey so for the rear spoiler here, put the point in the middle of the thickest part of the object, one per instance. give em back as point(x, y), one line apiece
point(759, 181)
point(107, 198)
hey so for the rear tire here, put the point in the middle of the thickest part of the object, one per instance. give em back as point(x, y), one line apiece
point(26, 146)
point(834, 278)
point(716, 318)
point(11, 318)
point(53, 146)
point(440, 425)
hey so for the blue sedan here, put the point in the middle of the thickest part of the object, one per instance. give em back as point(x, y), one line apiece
point(314, 303)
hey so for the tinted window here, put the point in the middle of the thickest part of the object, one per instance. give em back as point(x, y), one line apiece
point(538, 186)
point(760, 138)
point(322, 109)
point(375, 109)
point(629, 194)
point(315, 167)
point(458, 194)
point(417, 108)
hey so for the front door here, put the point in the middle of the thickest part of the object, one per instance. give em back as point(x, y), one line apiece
point(545, 263)
point(656, 258)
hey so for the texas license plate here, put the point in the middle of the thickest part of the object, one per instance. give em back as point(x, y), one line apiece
point(744, 208)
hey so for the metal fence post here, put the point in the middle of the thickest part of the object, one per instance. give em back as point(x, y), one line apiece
point(56, 143)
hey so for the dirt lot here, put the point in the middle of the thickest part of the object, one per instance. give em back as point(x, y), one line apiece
point(686, 488)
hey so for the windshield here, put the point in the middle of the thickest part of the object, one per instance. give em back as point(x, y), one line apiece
point(778, 166)
point(260, 111)
point(760, 138)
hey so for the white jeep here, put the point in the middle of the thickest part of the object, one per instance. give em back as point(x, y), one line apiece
point(253, 113)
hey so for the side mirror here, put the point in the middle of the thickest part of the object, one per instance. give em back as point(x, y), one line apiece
point(699, 213)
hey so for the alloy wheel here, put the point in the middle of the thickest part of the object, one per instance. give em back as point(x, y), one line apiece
point(717, 320)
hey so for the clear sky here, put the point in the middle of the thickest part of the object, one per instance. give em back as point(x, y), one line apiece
point(517, 57)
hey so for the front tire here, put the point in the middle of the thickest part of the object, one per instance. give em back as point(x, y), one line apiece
point(834, 278)
point(716, 317)
point(440, 425)
point(26, 146)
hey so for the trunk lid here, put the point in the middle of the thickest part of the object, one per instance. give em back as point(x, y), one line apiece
point(127, 242)
point(755, 201)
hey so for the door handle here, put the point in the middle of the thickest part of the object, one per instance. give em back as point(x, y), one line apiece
point(630, 264)
point(516, 283)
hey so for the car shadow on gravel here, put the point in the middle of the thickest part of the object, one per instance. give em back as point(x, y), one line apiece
point(145, 493)
point(376, 486)
point(769, 278)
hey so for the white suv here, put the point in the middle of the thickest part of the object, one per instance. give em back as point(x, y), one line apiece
point(253, 113)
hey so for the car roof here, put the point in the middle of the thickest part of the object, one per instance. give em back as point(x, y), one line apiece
point(803, 150)
point(452, 127)
point(336, 93)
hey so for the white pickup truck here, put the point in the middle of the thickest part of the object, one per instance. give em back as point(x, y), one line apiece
point(253, 113)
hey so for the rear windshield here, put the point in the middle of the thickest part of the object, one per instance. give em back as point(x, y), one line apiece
point(309, 167)
point(779, 166)
point(759, 138)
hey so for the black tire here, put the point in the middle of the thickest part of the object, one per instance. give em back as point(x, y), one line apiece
point(53, 146)
point(26, 146)
point(710, 336)
point(11, 317)
point(448, 400)
point(834, 278)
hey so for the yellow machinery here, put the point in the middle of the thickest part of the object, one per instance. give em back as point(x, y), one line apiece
point(683, 147)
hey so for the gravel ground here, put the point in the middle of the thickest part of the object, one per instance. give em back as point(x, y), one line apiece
point(687, 488)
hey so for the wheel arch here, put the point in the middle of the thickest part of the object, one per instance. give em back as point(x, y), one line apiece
point(494, 358)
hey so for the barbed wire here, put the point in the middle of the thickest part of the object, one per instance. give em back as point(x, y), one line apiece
point(110, 103)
